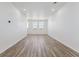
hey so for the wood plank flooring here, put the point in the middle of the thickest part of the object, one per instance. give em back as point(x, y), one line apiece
point(39, 46)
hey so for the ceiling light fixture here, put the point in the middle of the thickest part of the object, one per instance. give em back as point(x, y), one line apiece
point(24, 9)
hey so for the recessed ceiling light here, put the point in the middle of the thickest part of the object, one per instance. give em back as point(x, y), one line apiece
point(24, 9)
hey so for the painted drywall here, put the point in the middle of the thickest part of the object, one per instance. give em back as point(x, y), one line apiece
point(64, 25)
point(11, 33)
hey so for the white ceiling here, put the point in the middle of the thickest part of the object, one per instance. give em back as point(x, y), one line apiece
point(38, 10)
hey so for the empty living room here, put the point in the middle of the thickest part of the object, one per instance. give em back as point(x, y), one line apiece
point(39, 29)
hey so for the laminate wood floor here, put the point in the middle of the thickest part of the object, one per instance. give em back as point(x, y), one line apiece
point(39, 46)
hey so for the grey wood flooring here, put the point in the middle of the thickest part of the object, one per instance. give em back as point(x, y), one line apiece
point(39, 46)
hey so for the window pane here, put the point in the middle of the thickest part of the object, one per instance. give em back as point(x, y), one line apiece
point(34, 24)
point(41, 24)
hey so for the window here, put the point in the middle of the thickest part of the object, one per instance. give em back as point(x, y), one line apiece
point(34, 24)
point(38, 24)
point(41, 24)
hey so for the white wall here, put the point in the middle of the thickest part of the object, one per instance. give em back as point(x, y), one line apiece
point(10, 33)
point(64, 25)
